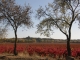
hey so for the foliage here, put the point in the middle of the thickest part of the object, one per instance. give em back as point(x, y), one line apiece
point(52, 50)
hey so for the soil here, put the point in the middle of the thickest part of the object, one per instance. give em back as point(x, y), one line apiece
point(12, 57)
point(20, 57)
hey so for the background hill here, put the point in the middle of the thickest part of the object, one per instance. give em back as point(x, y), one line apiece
point(38, 40)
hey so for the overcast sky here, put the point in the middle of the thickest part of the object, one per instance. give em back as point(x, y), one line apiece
point(31, 32)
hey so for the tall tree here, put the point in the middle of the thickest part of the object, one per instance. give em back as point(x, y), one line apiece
point(15, 16)
point(59, 14)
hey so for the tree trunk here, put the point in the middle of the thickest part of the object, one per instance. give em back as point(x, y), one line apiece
point(15, 52)
point(68, 47)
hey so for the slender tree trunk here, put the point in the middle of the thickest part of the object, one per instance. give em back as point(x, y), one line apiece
point(68, 40)
point(15, 45)
point(68, 47)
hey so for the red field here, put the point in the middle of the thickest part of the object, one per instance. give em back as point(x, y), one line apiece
point(42, 49)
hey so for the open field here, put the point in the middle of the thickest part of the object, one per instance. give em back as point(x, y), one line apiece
point(41, 50)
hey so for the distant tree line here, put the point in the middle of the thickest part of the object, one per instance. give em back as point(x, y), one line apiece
point(36, 40)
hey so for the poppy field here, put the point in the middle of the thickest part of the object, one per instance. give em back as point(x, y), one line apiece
point(41, 49)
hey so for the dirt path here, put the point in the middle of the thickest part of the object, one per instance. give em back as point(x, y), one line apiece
point(12, 57)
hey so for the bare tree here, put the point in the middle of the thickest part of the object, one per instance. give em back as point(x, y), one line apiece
point(15, 16)
point(59, 14)
point(3, 32)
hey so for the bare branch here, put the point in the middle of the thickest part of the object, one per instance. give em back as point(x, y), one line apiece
point(77, 5)
point(62, 30)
